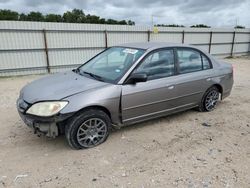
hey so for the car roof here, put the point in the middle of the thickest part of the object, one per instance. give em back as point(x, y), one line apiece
point(153, 45)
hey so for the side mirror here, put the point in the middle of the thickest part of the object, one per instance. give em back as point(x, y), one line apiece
point(137, 77)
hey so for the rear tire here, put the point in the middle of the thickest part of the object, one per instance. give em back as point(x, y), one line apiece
point(209, 99)
point(88, 129)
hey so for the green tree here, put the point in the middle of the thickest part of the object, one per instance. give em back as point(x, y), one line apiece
point(35, 16)
point(8, 15)
point(131, 22)
point(239, 27)
point(53, 18)
point(102, 21)
point(74, 16)
point(23, 17)
point(169, 25)
point(122, 22)
point(111, 21)
point(92, 19)
point(201, 26)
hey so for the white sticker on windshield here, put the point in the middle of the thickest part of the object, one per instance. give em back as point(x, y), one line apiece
point(130, 51)
point(117, 70)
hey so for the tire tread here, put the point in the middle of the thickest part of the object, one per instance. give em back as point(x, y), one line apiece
point(73, 124)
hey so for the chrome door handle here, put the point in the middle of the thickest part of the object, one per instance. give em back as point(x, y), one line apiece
point(171, 87)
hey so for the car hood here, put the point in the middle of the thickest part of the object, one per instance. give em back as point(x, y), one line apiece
point(58, 86)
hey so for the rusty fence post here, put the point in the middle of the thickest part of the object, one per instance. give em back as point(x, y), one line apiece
point(106, 38)
point(46, 50)
point(232, 48)
point(210, 41)
point(183, 36)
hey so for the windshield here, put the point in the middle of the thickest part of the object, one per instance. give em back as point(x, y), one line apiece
point(111, 64)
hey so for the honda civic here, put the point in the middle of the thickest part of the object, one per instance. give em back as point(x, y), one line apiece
point(123, 85)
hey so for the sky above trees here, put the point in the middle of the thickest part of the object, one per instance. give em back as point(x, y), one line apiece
point(74, 16)
point(223, 13)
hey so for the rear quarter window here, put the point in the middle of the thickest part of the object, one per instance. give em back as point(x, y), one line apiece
point(206, 63)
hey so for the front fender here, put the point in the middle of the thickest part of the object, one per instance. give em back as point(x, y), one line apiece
point(107, 97)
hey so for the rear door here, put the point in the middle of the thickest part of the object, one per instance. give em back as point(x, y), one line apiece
point(194, 70)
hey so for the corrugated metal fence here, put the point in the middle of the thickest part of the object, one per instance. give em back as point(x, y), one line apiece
point(40, 47)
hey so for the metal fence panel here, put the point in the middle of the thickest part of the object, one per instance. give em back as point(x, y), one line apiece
point(22, 59)
point(71, 57)
point(241, 48)
point(197, 38)
point(65, 39)
point(222, 37)
point(242, 37)
point(115, 38)
point(40, 47)
point(21, 40)
point(163, 37)
point(221, 49)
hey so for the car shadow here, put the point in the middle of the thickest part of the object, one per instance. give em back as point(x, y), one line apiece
point(163, 119)
point(60, 142)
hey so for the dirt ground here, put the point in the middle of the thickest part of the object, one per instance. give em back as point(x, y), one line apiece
point(175, 151)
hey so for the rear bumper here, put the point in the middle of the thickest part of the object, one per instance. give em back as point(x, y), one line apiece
point(48, 126)
point(227, 84)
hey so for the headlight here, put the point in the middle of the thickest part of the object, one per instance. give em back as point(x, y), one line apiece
point(46, 108)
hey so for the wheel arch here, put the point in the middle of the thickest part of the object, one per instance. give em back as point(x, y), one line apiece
point(219, 87)
point(97, 107)
point(78, 119)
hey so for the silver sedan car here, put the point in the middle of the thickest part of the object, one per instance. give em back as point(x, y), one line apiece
point(123, 85)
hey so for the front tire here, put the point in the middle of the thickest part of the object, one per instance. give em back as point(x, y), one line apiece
point(209, 100)
point(88, 129)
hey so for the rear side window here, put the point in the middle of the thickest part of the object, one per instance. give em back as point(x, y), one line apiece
point(189, 60)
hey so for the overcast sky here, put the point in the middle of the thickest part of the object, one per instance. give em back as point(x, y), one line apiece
point(216, 13)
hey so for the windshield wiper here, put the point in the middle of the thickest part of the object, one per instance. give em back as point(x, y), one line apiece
point(93, 76)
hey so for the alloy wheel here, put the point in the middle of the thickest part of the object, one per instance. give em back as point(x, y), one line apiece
point(211, 100)
point(91, 132)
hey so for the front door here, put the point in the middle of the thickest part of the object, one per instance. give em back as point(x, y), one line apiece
point(155, 96)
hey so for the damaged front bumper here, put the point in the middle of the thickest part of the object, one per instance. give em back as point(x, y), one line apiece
point(48, 126)
point(50, 129)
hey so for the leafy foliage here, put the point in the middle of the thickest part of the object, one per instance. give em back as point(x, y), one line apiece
point(200, 26)
point(8, 15)
point(74, 16)
point(169, 25)
point(239, 27)
point(35, 16)
point(53, 18)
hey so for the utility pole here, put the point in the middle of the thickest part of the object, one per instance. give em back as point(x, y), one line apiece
point(236, 22)
point(152, 19)
point(152, 22)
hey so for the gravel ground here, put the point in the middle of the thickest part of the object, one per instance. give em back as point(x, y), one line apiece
point(175, 151)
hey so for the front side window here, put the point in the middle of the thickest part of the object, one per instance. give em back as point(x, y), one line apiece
point(189, 60)
point(159, 64)
point(111, 64)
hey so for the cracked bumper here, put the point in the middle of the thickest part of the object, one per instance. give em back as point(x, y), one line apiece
point(48, 126)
